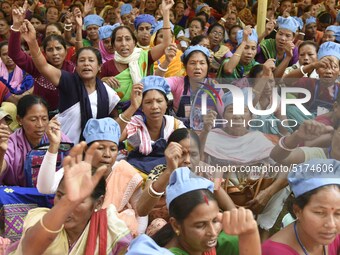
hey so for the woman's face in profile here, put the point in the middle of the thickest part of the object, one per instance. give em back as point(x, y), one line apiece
point(319, 220)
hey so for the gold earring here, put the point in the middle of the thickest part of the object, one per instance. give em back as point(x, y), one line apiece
point(177, 232)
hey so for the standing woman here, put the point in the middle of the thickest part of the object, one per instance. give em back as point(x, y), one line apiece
point(92, 23)
point(130, 63)
point(81, 92)
point(316, 207)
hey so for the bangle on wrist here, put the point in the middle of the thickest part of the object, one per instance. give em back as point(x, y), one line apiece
point(283, 145)
point(48, 230)
point(301, 33)
point(122, 118)
point(237, 55)
point(15, 30)
point(38, 54)
point(68, 25)
point(163, 69)
point(67, 28)
point(301, 70)
point(155, 193)
point(223, 20)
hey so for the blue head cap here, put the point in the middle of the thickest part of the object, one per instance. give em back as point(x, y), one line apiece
point(155, 82)
point(125, 9)
point(93, 19)
point(200, 7)
point(144, 18)
point(299, 21)
point(329, 49)
point(106, 129)
point(307, 176)
point(159, 25)
point(228, 98)
point(182, 181)
point(147, 245)
point(106, 31)
point(310, 20)
point(190, 49)
point(288, 23)
point(253, 37)
point(335, 30)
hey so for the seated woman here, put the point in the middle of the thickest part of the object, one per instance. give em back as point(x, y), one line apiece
point(81, 92)
point(195, 222)
point(147, 135)
point(305, 67)
point(239, 65)
point(316, 207)
point(281, 48)
point(236, 147)
point(123, 182)
point(216, 34)
point(130, 63)
point(187, 91)
point(325, 90)
point(196, 27)
point(15, 79)
point(76, 221)
point(20, 162)
point(262, 80)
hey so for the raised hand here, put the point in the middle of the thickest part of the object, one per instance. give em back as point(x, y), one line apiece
point(28, 31)
point(53, 131)
point(136, 95)
point(208, 120)
point(88, 7)
point(173, 154)
point(289, 47)
point(167, 5)
point(18, 15)
point(268, 67)
point(170, 52)
point(270, 25)
point(311, 129)
point(239, 222)
point(78, 178)
point(246, 33)
point(4, 135)
point(77, 17)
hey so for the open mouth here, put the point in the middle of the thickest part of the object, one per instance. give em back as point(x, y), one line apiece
point(212, 243)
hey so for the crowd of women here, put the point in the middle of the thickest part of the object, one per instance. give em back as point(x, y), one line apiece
point(169, 127)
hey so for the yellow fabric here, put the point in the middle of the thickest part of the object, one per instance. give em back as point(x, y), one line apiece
point(176, 67)
point(116, 230)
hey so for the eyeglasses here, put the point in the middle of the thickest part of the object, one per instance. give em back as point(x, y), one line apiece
point(219, 34)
